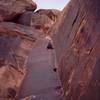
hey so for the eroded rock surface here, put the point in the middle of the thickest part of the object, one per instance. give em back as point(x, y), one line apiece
point(77, 44)
point(51, 13)
point(12, 8)
point(16, 42)
point(42, 20)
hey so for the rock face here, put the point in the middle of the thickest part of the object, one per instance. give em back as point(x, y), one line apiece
point(12, 8)
point(16, 42)
point(41, 20)
point(77, 44)
point(51, 13)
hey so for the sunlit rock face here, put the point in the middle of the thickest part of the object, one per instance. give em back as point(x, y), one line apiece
point(16, 42)
point(12, 8)
point(77, 46)
point(41, 20)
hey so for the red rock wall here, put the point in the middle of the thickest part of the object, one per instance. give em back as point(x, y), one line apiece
point(77, 45)
point(16, 42)
point(20, 28)
point(9, 9)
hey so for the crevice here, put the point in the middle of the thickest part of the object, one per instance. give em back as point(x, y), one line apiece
point(75, 18)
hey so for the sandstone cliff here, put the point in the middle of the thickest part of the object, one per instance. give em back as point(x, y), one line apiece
point(12, 8)
point(42, 20)
point(16, 42)
point(20, 28)
point(77, 45)
point(76, 36)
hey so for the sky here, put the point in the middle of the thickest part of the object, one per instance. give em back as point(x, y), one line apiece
point(51, 4)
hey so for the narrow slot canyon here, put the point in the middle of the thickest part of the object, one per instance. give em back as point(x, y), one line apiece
point(49, 50)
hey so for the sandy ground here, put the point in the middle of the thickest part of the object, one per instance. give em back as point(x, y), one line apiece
point(41, 81)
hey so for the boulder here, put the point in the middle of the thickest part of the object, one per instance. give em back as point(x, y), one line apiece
point(9, 9)
point(16, 42)
point(76, 40)
point(42, 20)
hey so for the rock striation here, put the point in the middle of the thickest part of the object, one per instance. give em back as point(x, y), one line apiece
point(16, 42)
point(10, 9)
point(77, 45)
point(20, 28)
point(41, 20)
